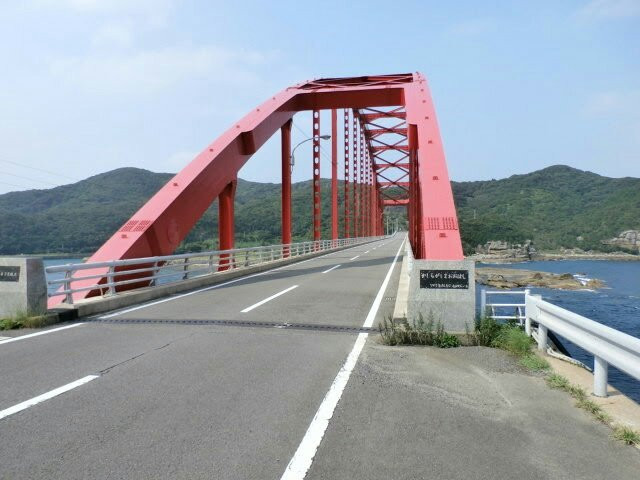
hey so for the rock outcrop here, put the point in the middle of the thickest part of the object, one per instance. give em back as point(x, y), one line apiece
point(629, 240)
point(516, 278)
point(501, 250)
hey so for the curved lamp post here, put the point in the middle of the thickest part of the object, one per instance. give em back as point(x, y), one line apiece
point(293, 159)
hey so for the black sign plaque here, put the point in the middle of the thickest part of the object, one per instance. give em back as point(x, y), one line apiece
point(9, 274)
point(445, 279)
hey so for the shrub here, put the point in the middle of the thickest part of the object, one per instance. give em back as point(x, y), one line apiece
point(419, 332)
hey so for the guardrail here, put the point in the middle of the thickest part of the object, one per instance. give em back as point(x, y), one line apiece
point(151, 271)
point(489, 310)
point(607, 345)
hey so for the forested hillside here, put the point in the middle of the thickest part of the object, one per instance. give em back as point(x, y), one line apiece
point(553, 207)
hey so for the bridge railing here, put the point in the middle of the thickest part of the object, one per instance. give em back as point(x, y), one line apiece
point(500, 310)
point(151, 271)
point(607, 345)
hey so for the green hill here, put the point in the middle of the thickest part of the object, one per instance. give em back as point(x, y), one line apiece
point(552, 207)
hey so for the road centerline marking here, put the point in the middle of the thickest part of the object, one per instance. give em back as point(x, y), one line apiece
point(46, 396)
point(37, 334)
point(332, 268)
point(354, 257)
point(268, 299)
point(303, 457)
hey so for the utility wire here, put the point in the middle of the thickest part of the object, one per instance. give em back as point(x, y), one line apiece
point(41, 170)
point(30, 179)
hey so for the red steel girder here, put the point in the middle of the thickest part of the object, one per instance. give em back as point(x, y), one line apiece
point(166, 219)
point(317, 204)
point(347, 163)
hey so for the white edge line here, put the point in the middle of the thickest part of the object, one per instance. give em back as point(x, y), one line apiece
point(354, 257)
point(45, 396)
point(268, 299)
point(303, 458)
point(31, 335)
point(217, 285)
point(332, 268)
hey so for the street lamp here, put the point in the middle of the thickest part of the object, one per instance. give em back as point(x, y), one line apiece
point(293, 159)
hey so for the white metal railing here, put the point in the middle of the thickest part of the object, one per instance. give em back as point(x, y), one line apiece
point(492, 310)
point(152, 271)
point(607, 345)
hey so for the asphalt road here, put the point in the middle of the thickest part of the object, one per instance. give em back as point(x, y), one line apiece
point(177, 400)
point(221, 384)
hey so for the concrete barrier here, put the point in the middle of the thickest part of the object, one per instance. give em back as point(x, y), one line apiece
point(23, 287)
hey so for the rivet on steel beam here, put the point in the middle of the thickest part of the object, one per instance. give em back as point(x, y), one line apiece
point(123, 235)
point(443, 235)
point(175, 184)
point(430, 141)
point(211, 149)
point(435, 177)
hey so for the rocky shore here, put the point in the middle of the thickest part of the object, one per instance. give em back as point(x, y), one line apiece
point(516, 278)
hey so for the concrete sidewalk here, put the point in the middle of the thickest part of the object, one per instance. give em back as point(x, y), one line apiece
point(467, 413)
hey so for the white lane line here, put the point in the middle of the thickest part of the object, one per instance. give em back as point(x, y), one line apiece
point(217, 285)
point(332, 268)
point(303, 458)
point(366, 252)
point(31, 335)
point(46, 396)
point(354, 257)
point(268, 299)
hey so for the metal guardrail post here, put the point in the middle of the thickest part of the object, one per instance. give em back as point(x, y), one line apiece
point(185, 269)
point(112, 289)
point(600, 376)
point(67, 286)
point(483, 303)
point(542, 338)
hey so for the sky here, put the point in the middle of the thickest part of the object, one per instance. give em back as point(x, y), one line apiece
point(87, 86)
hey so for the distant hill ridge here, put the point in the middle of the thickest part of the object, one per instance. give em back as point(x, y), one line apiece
point(556, 206)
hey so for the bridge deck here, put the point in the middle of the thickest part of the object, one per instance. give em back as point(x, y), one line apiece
point(234, 396)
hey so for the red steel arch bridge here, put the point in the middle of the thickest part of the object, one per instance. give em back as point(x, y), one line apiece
point(392, 155)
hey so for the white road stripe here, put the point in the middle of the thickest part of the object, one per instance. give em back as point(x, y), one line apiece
point(354, 257)
point(217, 285)
point(366, 252)
point(45, 396)
point(303, 458)
point(332, 268)
point(31, 335)
point(268, 299)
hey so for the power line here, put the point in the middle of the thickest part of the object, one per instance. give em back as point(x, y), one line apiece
point(41, 170)
point(28, 178)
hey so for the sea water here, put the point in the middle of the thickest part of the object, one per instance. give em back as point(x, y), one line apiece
point(617, 305)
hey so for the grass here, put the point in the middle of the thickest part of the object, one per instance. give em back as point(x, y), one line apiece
point(627, 435)
point(510, 337)
point(418, 332)
point(22, 319)
point(620, 432)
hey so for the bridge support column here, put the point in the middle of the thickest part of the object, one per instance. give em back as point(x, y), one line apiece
point(285, 135)
point(317, 218)
point(226, 227)
point(334, 174)
point(347, 160)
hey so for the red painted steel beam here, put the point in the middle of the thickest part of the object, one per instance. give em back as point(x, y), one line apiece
point(285, 133)
point(226, 225)
point(354, 163)
point(334, 174)
point(317, 204)
point(347, 161)
point(164, 221)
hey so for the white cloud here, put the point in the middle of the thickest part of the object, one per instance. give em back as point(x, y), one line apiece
point(619, 103)
point(152, 12)
point(473, 27)
point(609, 9)
point(113, 35)
point(150, 71)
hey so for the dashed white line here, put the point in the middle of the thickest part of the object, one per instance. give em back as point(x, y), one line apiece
point(31, 335)
point(303, 458)
point(217, 285)
point(354, 257)
point(268, 299)
point(332, 268)
point(45, 396)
